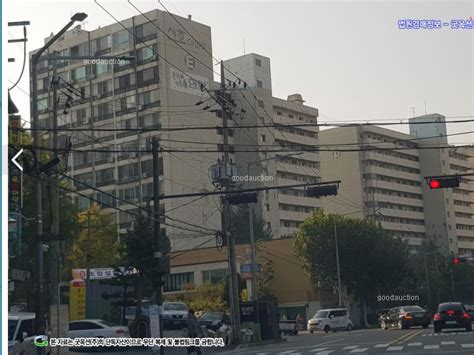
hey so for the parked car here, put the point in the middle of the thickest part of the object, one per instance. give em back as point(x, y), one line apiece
point(330, 319)
point(405, 317)
point(451, 315)
point(175, 315)
point(288, 327)
point(382, 317)
point(214, 320)
point(97, 328)
point(21, 334)
point(470, 311)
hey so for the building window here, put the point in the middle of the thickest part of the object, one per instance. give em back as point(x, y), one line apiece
point(258, 62)
point(259, 84)
point(145, 32)
point(78, 73)
point(176, 282)
point(121, 39)
point(263, 138)
point(124, 82)
point(147, 76)
point(261, 104)
point(279, 113)
point(149, 99)
point(146, 53)
point(214, 276)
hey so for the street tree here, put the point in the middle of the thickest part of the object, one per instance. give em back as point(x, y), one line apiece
point(371, 262)
point(97, 242)
point(138, 251)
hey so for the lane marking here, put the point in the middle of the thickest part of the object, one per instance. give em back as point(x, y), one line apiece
point(448, 342)
point(467, 346)
point(326, 352)
point(317, 349)
point(360, 350)
point(430, 347)
point(381, 345)
point(414, 344)
point(395, 348)
point(350, 347)
point(411, 336)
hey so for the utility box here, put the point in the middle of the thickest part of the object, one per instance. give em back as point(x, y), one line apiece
point(268, 312)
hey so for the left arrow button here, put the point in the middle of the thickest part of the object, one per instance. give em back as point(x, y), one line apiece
point(15, 158)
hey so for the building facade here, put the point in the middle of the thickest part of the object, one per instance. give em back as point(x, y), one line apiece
point(105, 102)
point(271, 149)
point(386, 182)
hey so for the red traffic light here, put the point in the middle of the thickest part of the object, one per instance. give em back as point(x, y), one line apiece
point(435, 184)
point(443, 182)
point(456, 261)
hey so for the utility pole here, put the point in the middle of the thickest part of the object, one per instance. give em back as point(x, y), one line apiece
point(339, 291)
point(157, 234)
point(55, 265)
point(226, 216)
point(40, 324)
point(427, 279)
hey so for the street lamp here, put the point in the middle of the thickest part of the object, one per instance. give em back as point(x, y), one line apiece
point(40, 321)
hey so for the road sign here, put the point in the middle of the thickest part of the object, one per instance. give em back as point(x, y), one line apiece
point(77, 300)
point(246, 270)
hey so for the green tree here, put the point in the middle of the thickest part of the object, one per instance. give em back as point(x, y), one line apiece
point(97, 243)
point(209, 297)
point(371, 262)
point(138, 249)
point(240, 219)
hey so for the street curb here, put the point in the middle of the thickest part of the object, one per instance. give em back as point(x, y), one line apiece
point(260, 343)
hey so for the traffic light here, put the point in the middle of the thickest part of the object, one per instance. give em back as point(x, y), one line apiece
point(324, 190)
point(443, 182)
point(459, 260)
point(238, 199)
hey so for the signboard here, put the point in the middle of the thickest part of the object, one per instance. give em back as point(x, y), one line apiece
point(188, 83)
point(100, 273)
point(77, 300)
point(19, 275)
point(246, 270)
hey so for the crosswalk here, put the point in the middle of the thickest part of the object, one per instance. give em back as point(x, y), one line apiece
point(385, 348)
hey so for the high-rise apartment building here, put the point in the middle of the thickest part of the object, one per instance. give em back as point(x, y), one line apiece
point(160, 88)
point(270, 149)
point(385, 181)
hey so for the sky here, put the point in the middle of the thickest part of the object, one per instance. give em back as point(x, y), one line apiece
point(347, 58)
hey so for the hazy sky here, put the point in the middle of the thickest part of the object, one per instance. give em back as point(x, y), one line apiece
point(347, 58)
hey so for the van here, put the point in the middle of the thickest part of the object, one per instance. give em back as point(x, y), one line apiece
point(330, 319)
point(21, 333)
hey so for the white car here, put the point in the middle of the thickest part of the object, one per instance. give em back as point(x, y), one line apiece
point(175, 315)
point(330, 319)
point(97, 328)
point(21, 333)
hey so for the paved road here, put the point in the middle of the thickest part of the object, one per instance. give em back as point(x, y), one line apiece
point(374, 341)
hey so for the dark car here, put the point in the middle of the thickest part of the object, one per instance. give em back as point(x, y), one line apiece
point(405, 317)
point(383, 316)
point(451, 315)
point(470, 311)
point(214, 320)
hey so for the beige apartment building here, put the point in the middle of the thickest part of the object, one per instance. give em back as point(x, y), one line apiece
point(282, 210)
point(386, 182)
point(160, 88)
